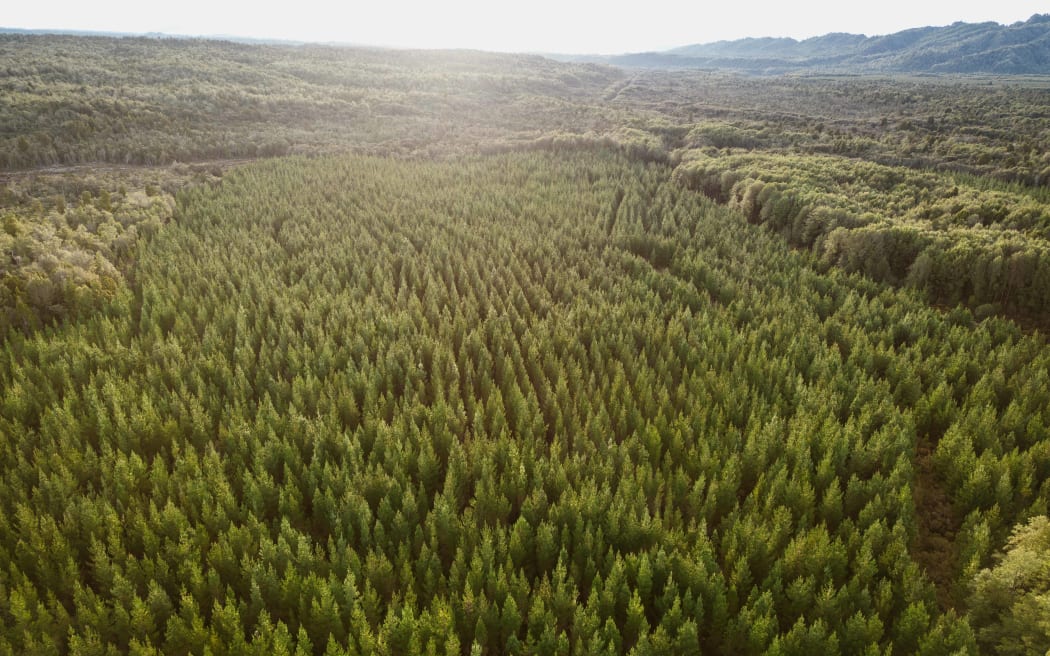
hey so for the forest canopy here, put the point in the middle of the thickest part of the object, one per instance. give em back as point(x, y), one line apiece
point(520, 403)
point(313, 350)
point(978, 145)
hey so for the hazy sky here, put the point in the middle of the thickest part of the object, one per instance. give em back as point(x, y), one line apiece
point(568, 26)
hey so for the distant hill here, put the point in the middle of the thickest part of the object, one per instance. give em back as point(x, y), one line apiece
point(1019, 49)
point(152, 35)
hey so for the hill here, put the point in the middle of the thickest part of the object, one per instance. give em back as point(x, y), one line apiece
point(1019, 49)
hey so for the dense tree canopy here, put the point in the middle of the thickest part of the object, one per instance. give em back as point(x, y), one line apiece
point(513, 356)
point(526, 403)
point(945, 182)
point(1011, 602)
point(956, 238)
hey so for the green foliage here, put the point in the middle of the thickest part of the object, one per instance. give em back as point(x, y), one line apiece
point(1010, 608)
point(522, 403)
point(549, 399)
point(154, 101)
point(144, 101)
point(956, 242)
point(69, 259)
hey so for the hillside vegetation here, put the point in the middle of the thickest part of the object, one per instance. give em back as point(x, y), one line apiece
point(956, 238)
point(71, 100)
point(310, 350)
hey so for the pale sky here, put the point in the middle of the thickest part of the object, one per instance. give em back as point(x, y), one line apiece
point(562, 26)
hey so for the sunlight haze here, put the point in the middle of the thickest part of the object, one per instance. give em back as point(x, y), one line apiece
point(541, 26)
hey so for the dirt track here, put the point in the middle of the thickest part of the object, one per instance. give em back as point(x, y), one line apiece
point(108, 167)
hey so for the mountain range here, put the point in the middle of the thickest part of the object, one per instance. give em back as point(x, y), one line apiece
point(1022, 48)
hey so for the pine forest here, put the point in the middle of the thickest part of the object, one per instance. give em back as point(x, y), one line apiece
point(317, 350)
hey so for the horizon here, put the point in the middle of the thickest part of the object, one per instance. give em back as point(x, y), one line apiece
point(581, 28)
